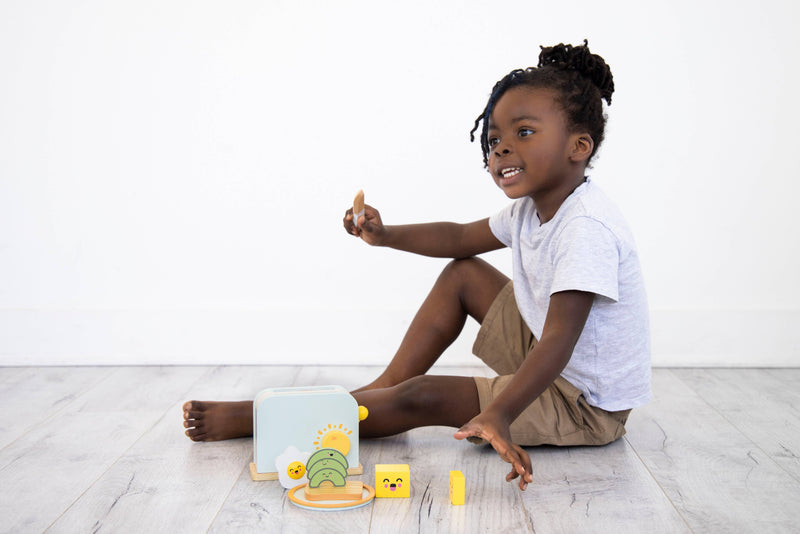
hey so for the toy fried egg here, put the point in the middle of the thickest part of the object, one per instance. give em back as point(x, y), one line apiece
point(291, 467)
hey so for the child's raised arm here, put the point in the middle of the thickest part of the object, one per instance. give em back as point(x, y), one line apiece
point(439, 239)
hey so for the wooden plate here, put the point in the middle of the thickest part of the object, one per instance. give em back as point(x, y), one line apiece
point(298, 497)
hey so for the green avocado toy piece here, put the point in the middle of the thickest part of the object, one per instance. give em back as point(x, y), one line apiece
point(327, 463)
point(326, 454)
point(321, 475)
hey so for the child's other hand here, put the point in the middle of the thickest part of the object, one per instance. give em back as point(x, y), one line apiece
point(370, 227)
point(499, 436)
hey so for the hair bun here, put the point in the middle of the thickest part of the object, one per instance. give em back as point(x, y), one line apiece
point(581, 60)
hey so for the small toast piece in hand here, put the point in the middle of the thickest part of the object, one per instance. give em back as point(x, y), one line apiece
point(358, 206)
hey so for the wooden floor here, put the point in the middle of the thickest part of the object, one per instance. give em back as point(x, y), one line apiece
point(102, 450)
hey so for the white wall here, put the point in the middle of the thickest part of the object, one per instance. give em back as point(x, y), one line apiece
point(173, 173)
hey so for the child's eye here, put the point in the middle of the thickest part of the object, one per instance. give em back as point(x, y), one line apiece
point(525, 132)
point(493, 141)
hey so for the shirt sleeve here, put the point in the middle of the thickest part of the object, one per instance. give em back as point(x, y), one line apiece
point(501, 223)
point(586, 258)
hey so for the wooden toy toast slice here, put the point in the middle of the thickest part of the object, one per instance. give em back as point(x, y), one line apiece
point(326, 492)
point(358, 206)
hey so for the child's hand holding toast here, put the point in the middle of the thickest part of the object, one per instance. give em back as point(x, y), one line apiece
point(364, 221)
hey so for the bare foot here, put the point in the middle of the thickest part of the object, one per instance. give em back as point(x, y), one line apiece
point(217, 420)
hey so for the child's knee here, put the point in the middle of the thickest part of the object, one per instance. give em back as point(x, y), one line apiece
point(461, 268)
point(461, 274)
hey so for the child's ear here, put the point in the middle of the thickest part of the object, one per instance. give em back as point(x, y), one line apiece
point(582, 146)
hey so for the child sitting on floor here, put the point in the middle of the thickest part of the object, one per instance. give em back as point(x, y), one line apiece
point(569, 337)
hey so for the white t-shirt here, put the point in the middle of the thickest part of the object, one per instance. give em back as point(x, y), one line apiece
point(586, 246)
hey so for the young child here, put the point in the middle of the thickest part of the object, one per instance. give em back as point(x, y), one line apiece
point(569, 337)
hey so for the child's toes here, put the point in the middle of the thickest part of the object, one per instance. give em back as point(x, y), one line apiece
point(195, 434)
point(193, 414)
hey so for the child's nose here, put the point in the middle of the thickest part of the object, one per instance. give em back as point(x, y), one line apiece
point(502, 149)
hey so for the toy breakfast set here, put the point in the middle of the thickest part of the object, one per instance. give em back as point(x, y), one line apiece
point(307, 439)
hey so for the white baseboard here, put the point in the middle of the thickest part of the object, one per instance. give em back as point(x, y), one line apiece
point(189, 337)
point(347, 337)
point(726, 338)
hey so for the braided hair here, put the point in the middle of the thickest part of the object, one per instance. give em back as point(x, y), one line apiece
point(580, 79)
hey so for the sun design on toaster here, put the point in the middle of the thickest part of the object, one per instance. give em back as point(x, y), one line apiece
point(334, 437)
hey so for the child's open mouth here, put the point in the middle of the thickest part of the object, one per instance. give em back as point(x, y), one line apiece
point(507, 175)
point(511, 172)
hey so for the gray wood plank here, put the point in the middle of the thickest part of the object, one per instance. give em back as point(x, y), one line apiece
point(349, 377)
point(491, 503)
point(790, 377)
point(165, 482)
point(49, 467)
point(759, 403)
point(32, 395)
point(597, 490)
point(102, 449)
point(717, 478)
point(8, 372)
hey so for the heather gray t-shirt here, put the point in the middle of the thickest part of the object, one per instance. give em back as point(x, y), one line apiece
point(586, 246)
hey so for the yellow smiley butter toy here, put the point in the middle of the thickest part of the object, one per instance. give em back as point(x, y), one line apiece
point(392, 480)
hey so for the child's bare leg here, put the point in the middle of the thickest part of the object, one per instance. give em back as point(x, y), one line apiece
point(465, 288)
point(419, 401)
point(217, 420)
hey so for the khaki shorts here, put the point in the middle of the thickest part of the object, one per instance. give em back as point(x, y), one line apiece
point(560, 415)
